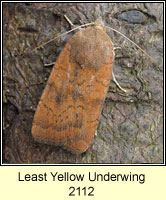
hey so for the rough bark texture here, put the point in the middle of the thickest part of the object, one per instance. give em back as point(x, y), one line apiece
point(131, 126)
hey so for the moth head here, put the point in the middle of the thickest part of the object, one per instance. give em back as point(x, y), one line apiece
point(100, 24)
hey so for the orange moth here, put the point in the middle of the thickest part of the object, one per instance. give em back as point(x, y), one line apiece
point(71, 103)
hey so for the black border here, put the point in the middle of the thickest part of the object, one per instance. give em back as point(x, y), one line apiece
point(109, 164)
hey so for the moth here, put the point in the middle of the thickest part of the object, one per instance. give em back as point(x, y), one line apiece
point(70, 106)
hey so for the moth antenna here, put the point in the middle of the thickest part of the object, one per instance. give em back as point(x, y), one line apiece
point(130, 41)
point(84, 25)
